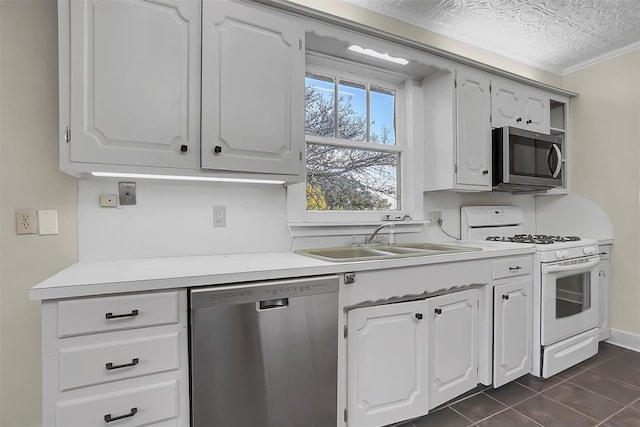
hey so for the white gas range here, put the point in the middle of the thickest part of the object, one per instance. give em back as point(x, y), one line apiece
point(565, 286)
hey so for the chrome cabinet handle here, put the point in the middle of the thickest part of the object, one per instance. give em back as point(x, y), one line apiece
point(110, 366)
point(116, 316)
point(109, 418)
point(438, 311)
point(418, 316)
point(505, 297)
point(516, 268)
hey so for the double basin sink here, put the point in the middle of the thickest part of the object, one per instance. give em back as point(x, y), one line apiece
point(377, 252)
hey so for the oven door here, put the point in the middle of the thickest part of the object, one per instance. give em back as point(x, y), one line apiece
point(570, 298)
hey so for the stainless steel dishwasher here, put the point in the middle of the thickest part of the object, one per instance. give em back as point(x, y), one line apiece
point(265, 354)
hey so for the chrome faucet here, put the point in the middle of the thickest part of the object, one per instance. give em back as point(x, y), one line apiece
point(370, 237)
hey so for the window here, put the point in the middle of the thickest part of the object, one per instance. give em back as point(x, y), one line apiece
point(359, 163)
point(352, 158)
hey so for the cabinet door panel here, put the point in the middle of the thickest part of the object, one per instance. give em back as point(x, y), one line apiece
point(253, 83)
point(386, 374)
point(535, 111)
point(603, 322)
point(453, 346)
point(512, 331)
point(504, 105)
point(473, 129)
point(135, 82)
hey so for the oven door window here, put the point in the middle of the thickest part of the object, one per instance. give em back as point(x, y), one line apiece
point(573, 295)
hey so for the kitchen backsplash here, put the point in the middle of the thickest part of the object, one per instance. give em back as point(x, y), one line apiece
point(175, 218)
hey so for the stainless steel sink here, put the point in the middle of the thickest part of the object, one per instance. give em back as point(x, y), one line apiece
point(373, 252)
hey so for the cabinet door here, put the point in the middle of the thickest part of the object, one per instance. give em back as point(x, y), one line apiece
point(505, 101)
point(512, 331)
point(386, 363)
point(252, 90)
point(473, 128)
point(534, 110)
point(453, 329)
point(604, 270)
point(135, 82)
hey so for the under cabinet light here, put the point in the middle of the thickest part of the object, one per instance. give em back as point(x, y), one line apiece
point(185, 178)
point(375, 54)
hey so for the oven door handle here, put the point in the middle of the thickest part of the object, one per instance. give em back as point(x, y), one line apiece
point(572, 267)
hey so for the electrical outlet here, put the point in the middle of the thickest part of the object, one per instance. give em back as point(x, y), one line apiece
point(108, 200)
point(433, 218)
point(127, 193)
point(26, 221)
point(219, 216)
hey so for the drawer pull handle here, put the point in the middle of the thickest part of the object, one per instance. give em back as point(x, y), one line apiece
point(116, 316)
point(110, 366)
point(438, 311)
point(505, 297)
point(108, 418)
point(418, 316)
point(516, 268)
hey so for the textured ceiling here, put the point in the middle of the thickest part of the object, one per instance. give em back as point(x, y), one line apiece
point(555, 35)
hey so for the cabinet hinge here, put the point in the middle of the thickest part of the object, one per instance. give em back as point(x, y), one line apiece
point(300, 44)
point(455, 168)
point(455, 83)
point(67, 134)
point(345, 331)
point(299, 156)
point(346, 415)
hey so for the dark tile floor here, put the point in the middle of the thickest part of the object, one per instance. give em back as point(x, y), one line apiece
point(601, 391)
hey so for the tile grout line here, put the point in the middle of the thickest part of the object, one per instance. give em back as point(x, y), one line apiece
point(569, 407)
point(602, 395)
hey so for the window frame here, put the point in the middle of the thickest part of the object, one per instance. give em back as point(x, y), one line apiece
point(342, 69)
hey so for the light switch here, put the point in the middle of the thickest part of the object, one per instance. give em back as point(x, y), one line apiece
point(48, 222)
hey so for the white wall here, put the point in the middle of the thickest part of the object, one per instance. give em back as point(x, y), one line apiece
point(174, 218)
point(29, 177)
point(605, 167)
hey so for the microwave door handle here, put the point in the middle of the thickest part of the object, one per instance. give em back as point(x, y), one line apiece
point(559, 165)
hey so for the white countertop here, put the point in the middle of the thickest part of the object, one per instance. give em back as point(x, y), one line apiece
point(86, 278)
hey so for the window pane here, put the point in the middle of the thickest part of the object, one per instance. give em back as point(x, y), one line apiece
point(319, 105)
point(352, 111)
point(383, 116)
point(351, 179)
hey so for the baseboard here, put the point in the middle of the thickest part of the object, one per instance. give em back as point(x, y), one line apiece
point(625, 339)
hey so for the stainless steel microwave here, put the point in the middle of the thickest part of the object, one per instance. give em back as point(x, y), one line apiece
point(525, 161)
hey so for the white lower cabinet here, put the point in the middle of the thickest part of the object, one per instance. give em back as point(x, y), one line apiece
point(453, 332)
point(512, 330)
point(406, 358)
point(387, 363)
point(116, 360)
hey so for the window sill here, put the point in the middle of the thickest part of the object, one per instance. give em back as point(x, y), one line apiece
point(313, 229)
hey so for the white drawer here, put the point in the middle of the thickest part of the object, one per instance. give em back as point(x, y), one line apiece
point(82, 366)
point(137, 407)
point(511, 267)
point(89, 315)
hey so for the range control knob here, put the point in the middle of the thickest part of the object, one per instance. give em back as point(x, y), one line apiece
point(590, 250)
point(562, 254)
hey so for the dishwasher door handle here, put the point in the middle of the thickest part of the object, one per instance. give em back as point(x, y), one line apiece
point(273, 303)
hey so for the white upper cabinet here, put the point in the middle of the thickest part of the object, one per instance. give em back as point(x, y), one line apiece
point(252, 90)
point(134, 81)
point(520, 106)
point(387, 363)
point(457, 127)
point(473, 126)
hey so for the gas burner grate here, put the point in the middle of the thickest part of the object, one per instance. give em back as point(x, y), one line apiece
point(538, 239)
